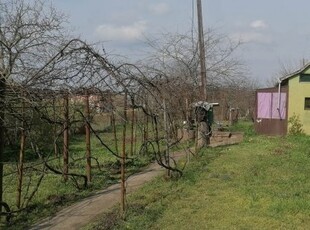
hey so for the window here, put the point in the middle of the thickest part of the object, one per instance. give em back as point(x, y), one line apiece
point(307, 103)
point(304, 78)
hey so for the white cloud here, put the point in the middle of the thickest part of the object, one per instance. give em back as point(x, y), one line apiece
point(160, 8)
point(251, 37)
point(258, 24)
point(126, 33)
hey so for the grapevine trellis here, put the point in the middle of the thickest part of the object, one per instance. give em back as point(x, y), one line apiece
point(76, 85)
point(60, 97)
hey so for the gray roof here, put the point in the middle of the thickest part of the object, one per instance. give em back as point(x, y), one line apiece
point(302, 69)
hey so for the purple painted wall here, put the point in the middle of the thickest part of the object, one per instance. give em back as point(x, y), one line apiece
point(268, 105)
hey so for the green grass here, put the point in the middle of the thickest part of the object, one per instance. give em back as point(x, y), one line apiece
point(54, 193)
point(262, 183)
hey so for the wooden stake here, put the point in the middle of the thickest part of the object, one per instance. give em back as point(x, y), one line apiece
point(123, 161)
point(2, 128)
point(66, 137)
point(87, 138)
point(55, 128)
point(21, 158)
point(168, 173)
point(132, 129)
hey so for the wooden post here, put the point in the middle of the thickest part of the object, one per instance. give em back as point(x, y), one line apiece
point(168, 173)
point(66, 137)
point(87, 137)
point(132, 129)
point(231, 111)
point(146, 125)
point(135, 132)
point(2, 127)
point(123, 161)
point(114, 130)
point(202, 53)
point(203, 74)
point(21, 157)
point(55, 128)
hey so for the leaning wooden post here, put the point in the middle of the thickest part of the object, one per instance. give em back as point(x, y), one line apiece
point(123, 160)
point(114, 130)
point(87, 138)
point(66, 137)
point(21, 157)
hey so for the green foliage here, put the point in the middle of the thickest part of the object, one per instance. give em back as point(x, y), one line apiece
point(295, 125)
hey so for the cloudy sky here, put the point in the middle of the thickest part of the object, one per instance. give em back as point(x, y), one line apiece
point(274, 32)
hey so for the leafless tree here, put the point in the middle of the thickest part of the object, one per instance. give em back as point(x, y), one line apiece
point(286, 68)
point(173, 63)
point(30, 34)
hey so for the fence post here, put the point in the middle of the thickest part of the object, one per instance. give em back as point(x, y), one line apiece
point(168, 173)
point(123, 161)
point(132, 129)
point(66, 137)
point(21, 157)
point(55, 128)
point(87, 137)
point(2, 128)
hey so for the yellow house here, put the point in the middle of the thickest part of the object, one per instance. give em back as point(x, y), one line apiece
point(298, 84)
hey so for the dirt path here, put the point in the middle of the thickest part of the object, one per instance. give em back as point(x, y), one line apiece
point(83, 212)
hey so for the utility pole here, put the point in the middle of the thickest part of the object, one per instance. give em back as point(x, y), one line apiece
point(202, 139)
point(202, 53)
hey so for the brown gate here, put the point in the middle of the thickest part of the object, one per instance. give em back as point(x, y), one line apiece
point(271, 111)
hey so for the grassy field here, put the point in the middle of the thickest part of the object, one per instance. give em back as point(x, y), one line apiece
point(262, 183)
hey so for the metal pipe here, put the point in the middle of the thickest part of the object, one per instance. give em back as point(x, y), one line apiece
point(279, 97)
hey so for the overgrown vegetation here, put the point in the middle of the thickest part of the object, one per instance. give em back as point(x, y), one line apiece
point(259, 184)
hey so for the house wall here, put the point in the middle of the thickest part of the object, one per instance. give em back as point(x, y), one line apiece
point(297, 93)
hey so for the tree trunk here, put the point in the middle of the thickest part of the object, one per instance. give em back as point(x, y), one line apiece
point(2, 113)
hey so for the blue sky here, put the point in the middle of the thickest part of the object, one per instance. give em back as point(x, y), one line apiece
point(274, 32)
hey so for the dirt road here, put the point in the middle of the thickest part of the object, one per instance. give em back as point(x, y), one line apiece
point(83, 212)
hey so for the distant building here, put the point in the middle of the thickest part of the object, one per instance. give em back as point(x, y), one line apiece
point(274, 106)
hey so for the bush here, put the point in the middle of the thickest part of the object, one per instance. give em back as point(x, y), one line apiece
point(295, 125)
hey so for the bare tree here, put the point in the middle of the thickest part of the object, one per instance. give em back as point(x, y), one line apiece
point(30, 34)
point(286, 68)
point(173, 65)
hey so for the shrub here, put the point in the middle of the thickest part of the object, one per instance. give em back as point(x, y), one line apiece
point(295, 125)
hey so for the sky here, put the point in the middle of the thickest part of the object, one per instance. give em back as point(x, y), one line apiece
point(273, 32)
